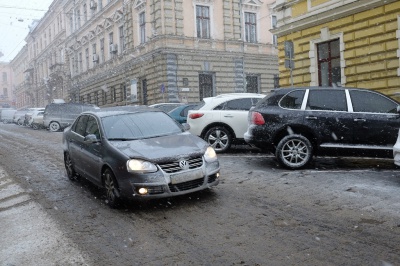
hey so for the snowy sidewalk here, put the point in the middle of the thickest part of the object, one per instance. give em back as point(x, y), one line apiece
point(28, 235)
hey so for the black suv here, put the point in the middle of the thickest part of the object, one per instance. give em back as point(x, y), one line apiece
point(297, 123)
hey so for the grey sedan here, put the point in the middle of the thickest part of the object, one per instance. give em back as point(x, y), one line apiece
point(141, 153)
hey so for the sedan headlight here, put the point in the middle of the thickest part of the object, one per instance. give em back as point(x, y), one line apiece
point(210, 155)
point(140, 166)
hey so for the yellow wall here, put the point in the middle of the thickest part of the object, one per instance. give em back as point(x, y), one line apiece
point(370, 50)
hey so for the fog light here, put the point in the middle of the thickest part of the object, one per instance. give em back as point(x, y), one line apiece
point(217, 175)
point(142, 191)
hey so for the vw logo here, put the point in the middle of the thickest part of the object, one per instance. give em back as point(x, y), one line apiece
point(184, 165)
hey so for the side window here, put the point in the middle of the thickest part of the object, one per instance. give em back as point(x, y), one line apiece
point(370, 102)
point(239, 104)
point(80, 125)
point(220, 107)
point(293, 99)
point(329, 100)
point(92, 127)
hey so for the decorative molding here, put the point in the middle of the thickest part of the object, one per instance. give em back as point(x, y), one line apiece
point(84, 40)
point(204, 1)
point(252, 4)
point(107, 23)
point(99, 29)
point(118, 16)
point(91, 35)
point(139, 4)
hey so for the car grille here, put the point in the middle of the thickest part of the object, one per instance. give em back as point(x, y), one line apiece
point(174, 167)
point(186, 185)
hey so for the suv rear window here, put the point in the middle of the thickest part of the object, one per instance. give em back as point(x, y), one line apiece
point(329, 100)
point(365, 101)
point(292, 100)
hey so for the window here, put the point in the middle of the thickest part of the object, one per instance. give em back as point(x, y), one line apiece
point(4, 76)
point(252, 83)
point(142, 27)
point(110, 38)
point(78, 18)
point(80, 62)
point(250, 27)
point(203, 22)
point(330, 100)
point(85, 12)
point(206, 85)
point(102, 49)
point(274, 24)
point(100, 4)
point(292, 100)
point(87, 58)
point(92, 127)
point(239, 104)
point(329, 63)
point(371, 102)
point(80, 125)
point(121, 38)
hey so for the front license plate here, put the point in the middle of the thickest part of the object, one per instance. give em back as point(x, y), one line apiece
point(186, 176)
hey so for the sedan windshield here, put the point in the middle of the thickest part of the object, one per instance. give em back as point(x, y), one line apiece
point(139, 126)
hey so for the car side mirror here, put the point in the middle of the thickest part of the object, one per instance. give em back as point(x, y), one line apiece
point(186, 126)
point(91, 138)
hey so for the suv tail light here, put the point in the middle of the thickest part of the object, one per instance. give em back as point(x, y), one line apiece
point(257, 118)
point(195, 115)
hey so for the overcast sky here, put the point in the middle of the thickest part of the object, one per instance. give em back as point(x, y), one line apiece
point(15, 17)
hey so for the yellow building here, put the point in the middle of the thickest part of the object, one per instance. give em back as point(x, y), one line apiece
point(352, 43)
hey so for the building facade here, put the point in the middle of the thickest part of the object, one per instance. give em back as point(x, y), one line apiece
point(353, 43)
point(7, 96)
point(119, 52)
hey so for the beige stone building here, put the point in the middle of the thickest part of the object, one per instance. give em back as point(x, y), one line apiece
point(7, 96)
point(115, 52)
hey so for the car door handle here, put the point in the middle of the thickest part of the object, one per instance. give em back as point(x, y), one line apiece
point(359, 120)
point(311, 117)
point(228, 115)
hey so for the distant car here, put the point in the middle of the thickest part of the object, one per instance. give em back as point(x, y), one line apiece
point(297, 123)
point(180, 113)
point(166, 107)
point(28, 115)
point(142, 154)
point(7, 115)
point(35, 119)
point(222, 120)
point(58, 116)
point(19, 116)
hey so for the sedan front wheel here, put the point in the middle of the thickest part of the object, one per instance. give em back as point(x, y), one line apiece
point(294, 151)
point(112, 190)
point(69, 167)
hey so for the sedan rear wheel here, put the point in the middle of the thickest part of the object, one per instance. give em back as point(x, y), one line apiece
point(112, 190)
point(219, 138)
point(294, 151)
point(54, 126)
point(69, 167)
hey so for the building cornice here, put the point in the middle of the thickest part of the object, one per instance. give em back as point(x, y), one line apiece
point(317, 16)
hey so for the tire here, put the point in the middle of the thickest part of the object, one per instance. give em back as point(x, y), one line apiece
point(54, 126)
point(219, 138)
point(113, 197)
point(20, 122)
point(294, 152)
point(69, 167)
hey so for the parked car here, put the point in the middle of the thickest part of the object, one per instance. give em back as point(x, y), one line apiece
point(297, 123)
point(222, 120)
point(142, 154)
point(58, 116)
point(35, 119)
point(7, 115)
point(28, 115)
point(166, 107)
point(180, 113)
point(19, 116)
